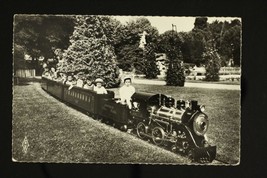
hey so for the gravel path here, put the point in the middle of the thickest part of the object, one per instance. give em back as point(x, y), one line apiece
point(189, 84)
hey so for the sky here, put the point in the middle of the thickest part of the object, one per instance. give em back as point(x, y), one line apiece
point(164, 23)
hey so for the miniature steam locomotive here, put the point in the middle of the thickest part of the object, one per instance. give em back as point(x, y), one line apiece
point(179, 126)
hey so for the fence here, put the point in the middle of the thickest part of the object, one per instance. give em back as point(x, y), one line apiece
point(230, 71)
point(25, 73)
point(223, 71)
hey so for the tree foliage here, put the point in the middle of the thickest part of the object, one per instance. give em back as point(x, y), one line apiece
point(170, 43)
point(39, 35)
point(175, 72)
point(130, 56)
point(150, 67)
point(213, 63)
point(225, 35)
point(230, 46)
point(91, 52)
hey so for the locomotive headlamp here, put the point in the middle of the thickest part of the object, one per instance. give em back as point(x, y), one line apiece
point(136, 105)
point(200, 124)
point(202, 108)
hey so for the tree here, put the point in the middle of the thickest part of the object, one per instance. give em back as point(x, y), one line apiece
point(227, 37)
point(170, 43)
point(90, 52)
point(186, 47)
point(231, 41)
point(213, 63)
point(200, 34)
point(150, 67)
point(175, 73)
point(129, 55)
point(40, 35)
point(201, 23)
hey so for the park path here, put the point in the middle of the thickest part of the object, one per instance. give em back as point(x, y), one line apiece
point(190, 84)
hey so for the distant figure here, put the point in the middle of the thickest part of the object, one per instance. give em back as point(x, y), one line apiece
point(54, 73)
point(142, 42)
point(126, 92)
point(99, 89)
point(88, 85)
point(46, 73)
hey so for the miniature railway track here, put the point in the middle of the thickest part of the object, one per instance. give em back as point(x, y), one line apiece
point(219, 160)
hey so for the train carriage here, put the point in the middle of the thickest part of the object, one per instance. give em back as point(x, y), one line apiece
point(53, 87)
point(120, 114)
point(44, 83)
point(82, 98)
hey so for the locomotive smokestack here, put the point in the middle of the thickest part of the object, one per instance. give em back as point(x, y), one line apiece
point(194, 104)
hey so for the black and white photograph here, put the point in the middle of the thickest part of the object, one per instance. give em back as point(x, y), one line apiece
point(125, 89)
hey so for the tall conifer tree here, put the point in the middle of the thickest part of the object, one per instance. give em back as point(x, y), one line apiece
point(175, 72)
point(150, 67)
point(213, 63)
point(90, 52)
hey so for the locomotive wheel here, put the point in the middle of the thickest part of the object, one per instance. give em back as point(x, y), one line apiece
point(141, 129)
point(158, 135)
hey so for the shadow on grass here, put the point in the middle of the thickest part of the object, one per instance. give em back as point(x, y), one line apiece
point(23, 84)
point(24, 81)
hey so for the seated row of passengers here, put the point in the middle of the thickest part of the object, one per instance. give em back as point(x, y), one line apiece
point(76, 80)
point(126, 91)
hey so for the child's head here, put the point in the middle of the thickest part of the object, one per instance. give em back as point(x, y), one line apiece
point(98, 85)
point(99, 82)
point(70, 78)
point(89, 82)
point(127, 81)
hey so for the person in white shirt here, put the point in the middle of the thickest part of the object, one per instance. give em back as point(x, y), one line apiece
point(99, 89)
point(80, 81)
point(126, 92)
point(69, 80)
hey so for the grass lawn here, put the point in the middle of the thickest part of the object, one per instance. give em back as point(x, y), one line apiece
point(218, 82)
point(56, 132)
